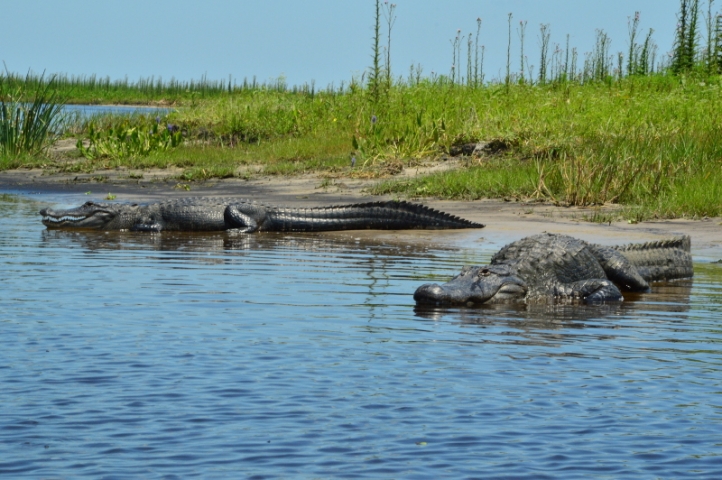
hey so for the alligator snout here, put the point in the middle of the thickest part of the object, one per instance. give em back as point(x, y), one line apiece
point(474, 285)
point(434, 294)
point(429, 293)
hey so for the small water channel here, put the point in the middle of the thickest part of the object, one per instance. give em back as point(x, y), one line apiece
point(302, 356)
point(87, 111)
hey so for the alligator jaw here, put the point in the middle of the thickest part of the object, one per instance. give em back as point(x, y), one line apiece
point(74, 218)
point(447, 294)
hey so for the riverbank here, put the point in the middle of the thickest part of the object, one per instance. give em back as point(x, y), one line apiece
point(649, 144)
point(505, 221)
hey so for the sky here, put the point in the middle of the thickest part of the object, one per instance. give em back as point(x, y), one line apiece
point(320, 41)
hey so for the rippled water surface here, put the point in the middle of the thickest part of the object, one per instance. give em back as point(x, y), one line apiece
point(302, 356)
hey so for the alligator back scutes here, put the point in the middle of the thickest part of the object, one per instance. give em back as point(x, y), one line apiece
point(388, 215)
point(397, 205)
point(682, 242)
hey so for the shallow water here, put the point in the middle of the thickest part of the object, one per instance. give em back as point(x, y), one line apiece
point(87, 111)
point(302, 356)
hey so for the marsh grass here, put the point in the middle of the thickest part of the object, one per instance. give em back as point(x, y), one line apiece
point(654, 141)
point(29, 117)
point(643, 141)
point(494, 180)
point(94, 90)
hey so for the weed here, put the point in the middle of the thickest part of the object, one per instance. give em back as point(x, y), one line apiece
point(598, 216)
point(129, 139)
point(325, 183)
point(204, 173)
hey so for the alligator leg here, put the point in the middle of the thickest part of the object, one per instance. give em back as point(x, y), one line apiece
point(239, 221)
point(147, 227)
point(619, 269)
point(590, 291)
point(147, 224)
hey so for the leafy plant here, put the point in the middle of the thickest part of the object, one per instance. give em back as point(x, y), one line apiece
point(128, 139)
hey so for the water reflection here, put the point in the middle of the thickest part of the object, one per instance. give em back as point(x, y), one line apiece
point(556, 324)
point(214, 242)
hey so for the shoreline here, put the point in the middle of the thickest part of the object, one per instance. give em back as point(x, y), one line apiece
point(505, 221)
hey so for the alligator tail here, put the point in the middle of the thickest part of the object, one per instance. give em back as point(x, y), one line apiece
point(389, 215)
point(662, 259)
point(682, 242)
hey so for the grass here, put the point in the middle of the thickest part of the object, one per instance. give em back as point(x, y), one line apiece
point(93, 90)
point(29, 117)
point(650, 141)
point(494, 180)
point(645, 141)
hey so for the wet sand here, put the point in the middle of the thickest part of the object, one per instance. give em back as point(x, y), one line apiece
point(505, 221)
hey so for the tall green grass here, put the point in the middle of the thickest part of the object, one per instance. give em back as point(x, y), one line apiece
point(633, 142)
point(91, 89)
point(29, 117)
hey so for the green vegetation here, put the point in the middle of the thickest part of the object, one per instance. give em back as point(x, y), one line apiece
point(29, 119)
point(618, 128)
point(642, 141)
point(91, 90)
point(122, 139)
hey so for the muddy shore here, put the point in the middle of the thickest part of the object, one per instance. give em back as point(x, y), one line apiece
point(505, 221)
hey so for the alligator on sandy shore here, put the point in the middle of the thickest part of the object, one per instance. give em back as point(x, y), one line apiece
point(245, 216)
point(550, 268)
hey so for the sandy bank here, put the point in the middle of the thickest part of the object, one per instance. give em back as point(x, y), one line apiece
point(505, 221)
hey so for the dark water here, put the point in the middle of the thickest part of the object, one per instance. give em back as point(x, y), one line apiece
point(301, 356)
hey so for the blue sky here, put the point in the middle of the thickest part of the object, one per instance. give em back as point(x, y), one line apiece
point(314, 40)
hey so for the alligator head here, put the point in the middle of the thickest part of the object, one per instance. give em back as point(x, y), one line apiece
point(90, 215)
point(474, 285)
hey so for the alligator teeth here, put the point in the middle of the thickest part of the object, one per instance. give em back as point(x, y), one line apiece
point(66, 218)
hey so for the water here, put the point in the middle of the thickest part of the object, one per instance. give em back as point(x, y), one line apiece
point(87, 111)
point(302, 356)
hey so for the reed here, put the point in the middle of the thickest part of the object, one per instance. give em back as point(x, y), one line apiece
point(91, 89)
point(29, 117)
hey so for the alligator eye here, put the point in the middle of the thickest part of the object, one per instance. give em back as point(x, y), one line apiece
point(484, 272)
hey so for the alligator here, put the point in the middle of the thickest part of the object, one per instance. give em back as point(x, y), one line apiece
point(552, 268)
point(246, 216)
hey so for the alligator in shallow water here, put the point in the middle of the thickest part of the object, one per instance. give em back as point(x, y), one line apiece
point(551, 268)
point(245, 216)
